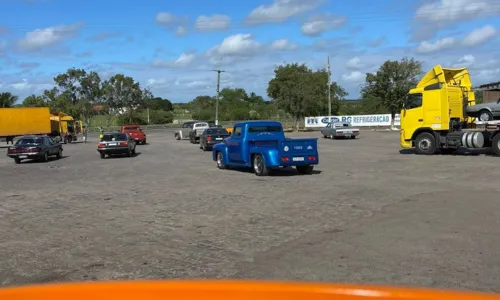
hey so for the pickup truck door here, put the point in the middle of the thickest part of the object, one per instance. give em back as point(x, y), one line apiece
point(234, 145)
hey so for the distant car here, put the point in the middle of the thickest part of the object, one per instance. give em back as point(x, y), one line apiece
point(183, 133)
point(34, 147)
point(484, 112)
point(135, 133)
point(116, 144)
point(212, 136)
point(198, 129)
point(339, 130)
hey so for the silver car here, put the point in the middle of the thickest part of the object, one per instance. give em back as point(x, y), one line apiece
point(485, 111)
point(339, 129)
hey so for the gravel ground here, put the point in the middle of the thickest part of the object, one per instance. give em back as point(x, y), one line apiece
point(369, 214)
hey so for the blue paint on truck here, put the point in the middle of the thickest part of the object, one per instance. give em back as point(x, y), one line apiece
point(262, 145)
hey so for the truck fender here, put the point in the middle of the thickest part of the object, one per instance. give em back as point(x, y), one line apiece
point(425, 129)
point(221, 147)
point(271, 156)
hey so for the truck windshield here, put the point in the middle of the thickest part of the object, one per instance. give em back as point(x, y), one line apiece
point(256, 129)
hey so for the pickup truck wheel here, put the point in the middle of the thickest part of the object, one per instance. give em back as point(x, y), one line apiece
point(305, 169)
point(425, 143)
point(220, 161)
point(332, 136)
point(259, 166)
point(177, 136)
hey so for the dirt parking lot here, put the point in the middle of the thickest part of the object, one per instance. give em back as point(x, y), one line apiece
point(368, 215)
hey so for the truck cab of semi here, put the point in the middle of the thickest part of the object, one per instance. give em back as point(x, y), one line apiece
point(433, 116)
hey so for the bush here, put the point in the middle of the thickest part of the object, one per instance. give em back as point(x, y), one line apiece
point(160, 117)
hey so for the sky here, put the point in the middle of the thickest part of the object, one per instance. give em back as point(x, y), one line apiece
point(172, 47)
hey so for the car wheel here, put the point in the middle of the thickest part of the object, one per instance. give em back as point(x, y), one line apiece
point(17, 160)
point(177, 137)
point(59, 154)
point(220, 160)
point(103, 155)
point(204, 147)
point(485, 116)
point(259, 165)
point(129, 153)
point(45, 157)
point(332, 136)
point(305, 169)
point(144, 142)
point(425, 143)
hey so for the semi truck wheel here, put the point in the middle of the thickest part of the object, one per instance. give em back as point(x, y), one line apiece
point(495, 144)
point(425, 143)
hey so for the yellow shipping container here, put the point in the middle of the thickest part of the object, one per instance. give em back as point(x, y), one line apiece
point(24, 120)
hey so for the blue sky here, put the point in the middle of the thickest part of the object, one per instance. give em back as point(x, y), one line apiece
point(173, 48)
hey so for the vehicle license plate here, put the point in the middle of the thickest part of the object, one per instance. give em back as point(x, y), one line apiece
point(218, 139)
point(347, 133)
point(298, 159)
point(23, 156)
point(113, 144)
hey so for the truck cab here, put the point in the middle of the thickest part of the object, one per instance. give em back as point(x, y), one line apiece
point(262, 146)
point(433, 116)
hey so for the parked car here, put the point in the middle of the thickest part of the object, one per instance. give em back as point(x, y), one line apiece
point(183, 133)
point(34, 147)
point(135, 132)
point(484, 112)
point(212, 136)
point(262, 146)
point(198, 128)
point(116, 144)
point(335, 130)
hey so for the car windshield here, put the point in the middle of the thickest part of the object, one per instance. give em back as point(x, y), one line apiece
point(114, 137)
point(254, 129)
point(29, 141)
point(217, 131)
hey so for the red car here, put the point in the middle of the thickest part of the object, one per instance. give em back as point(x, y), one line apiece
point(135, 133)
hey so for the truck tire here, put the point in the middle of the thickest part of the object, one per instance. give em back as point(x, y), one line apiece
point(259, 165)
point(220, 161)
point(495, 144)
point(425, 143)
point(485, 115)
point(305, 169)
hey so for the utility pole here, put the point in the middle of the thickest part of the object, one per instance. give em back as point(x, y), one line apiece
point(329, 95)
point(217, 100)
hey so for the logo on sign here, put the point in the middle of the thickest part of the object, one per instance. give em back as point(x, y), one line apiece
point(286, 148)
point(332, 119)
point(309, 147)
point(312, 121)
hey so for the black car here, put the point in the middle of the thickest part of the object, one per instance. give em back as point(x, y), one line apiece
point(212, 136)
point(35, 147)
point(116, 144)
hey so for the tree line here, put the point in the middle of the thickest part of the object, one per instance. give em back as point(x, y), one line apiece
point(296, 91)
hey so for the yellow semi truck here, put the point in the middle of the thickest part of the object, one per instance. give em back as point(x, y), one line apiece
point(433, 117)
point(37, 120)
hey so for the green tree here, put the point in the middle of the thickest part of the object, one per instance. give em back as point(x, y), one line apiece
point(34, 101)
point(160, 117)
point(7, 100)
point(302, 92)
point(125, 96)
point(479, 96)
point(90, 94)
point(203, 108)
point(391, 83)
point(69, 89)
point(159, 103)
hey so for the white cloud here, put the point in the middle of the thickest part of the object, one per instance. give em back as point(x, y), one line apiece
point(318, 24)
point(235, 45)
point(465, 61)
point(212, 23)
point(354, 76)
point(280, 10)
point(172, 22)
point(181, 30)
point(185, 59)
point(440, 44)
point(474, 38)
point(165, 18)
point(355, 63)
point(449, 11)
point(479, 36)
point(41, 38)
point(283, 44)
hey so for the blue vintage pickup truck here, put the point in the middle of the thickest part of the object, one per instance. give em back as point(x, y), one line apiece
point(262, 146)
